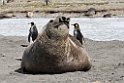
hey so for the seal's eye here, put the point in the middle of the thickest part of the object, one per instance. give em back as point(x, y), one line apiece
point(51, 20)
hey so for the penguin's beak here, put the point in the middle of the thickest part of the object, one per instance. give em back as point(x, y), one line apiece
point(74, 26)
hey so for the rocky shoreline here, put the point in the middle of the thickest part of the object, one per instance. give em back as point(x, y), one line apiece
point(112, 8)
point(75, 13)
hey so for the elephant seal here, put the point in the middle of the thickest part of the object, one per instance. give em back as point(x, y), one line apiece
point(4, 15)
point(91, 11)
point(107, 15)
point(55, 51)
point(77, 33)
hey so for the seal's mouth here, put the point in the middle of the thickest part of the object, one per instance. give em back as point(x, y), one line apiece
point(60, 21)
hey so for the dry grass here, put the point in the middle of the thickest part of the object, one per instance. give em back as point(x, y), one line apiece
point(61, 6)
point(52, 4)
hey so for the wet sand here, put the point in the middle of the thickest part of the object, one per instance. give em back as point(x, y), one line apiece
point(107, 59)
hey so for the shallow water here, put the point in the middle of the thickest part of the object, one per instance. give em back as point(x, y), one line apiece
point(100, 29)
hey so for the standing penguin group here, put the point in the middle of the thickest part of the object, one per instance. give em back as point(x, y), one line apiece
point(77, 33)
point(33, 32)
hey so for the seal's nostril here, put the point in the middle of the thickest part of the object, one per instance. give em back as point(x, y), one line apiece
point(68, 19)
point(63, 18)
point(60, 20)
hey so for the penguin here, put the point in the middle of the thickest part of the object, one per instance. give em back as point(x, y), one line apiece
point(77, 33)
point(3, 2)
point(33, 32)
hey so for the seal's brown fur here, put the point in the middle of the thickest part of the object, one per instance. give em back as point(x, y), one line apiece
point(55, 51)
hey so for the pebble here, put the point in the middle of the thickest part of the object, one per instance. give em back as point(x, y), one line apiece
point(96, 82)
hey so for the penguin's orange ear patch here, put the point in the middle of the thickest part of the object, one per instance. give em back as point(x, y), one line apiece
point(76, 25)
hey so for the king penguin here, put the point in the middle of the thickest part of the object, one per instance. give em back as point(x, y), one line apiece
point(77, 33)
point(33, 32)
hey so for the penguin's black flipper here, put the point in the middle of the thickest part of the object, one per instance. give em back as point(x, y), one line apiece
point(29, 37)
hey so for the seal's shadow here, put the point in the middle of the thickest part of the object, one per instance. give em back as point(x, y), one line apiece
point(25, 72)
point(20, 70)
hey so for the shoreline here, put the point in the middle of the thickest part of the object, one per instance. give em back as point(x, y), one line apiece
point(95, 40)
point(94, 26)
point(76, 13)
point(68, 8)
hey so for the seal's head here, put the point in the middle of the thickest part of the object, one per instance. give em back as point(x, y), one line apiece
point(58, 29)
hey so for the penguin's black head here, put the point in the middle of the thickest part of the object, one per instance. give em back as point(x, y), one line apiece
point(76, 25)
point(32, 23)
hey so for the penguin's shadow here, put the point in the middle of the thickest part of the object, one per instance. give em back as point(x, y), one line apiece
point(24, 45)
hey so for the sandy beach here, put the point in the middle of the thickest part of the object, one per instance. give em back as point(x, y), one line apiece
point(107, 56)
point(107, 59)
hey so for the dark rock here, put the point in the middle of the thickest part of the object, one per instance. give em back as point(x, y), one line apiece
point(91, 12)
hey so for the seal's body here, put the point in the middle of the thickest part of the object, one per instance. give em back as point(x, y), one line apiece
point(33, 32)
point(55, 51)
